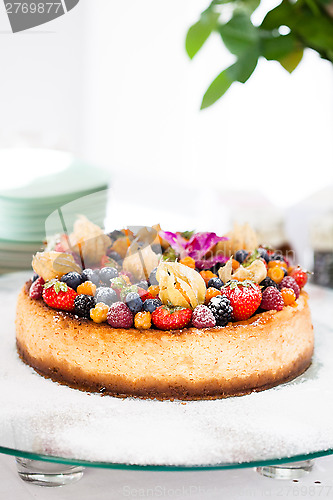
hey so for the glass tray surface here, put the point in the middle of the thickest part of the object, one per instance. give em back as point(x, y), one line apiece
point(43, 420)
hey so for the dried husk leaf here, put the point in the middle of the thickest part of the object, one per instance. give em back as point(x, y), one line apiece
point(140, 262)
point(180, 285)
point(51, 265)
point(89, 241)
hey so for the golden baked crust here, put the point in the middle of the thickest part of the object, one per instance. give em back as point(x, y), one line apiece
point(266, 350)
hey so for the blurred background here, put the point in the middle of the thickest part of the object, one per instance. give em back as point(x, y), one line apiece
point(110, 85)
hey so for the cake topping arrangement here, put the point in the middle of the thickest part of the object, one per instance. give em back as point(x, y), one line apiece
point(150, 279)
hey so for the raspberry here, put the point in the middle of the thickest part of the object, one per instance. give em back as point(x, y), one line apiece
point(142, 320)
point(221, 308)
point(203, 317)
point(120, 316)
point(289, 282)
point(36, 289)
point(272, 299)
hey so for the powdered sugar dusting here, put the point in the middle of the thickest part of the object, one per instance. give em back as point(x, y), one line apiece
point(41, 416)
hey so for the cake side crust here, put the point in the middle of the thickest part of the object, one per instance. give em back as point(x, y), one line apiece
point(188, 364)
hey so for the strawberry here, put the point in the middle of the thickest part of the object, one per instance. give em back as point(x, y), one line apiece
point(244, 296)
point(299, 276)
point(171, 318)
point(58, 295)
point(144, 294)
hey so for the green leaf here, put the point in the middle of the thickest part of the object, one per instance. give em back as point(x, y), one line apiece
point(277, 47)
point(199, 32)
point(291, 61)
point(239, 34)
point(240, 71)
point(282, 15)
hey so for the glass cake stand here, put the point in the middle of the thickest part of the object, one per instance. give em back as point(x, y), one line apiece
point(55, 431)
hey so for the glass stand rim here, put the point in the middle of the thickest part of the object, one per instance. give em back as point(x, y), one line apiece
point(108, 465)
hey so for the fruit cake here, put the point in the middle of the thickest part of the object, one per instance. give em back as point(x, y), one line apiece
point(155, 314)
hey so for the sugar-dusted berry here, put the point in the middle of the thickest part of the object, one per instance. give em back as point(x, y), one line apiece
point(203, 317)
point(154, 290)
point(289, 282)
point(120, 316)
point(58, 295)
point(215, 283)
point(83, 304)
point(142, 320)
point(72, 279)
point(106, 295)
point(36, 289)
point(221, 309)
point(272, 299)
point(134, 302)
point(150, 305)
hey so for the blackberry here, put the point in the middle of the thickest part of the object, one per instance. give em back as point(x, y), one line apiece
point(72, 279)
point(106, 295)
point(241, 255)
point(90, 275)
point(83, 304)
point(152, 277)
point(133, 302)
point(264, 254)
point(142, 284)
point(150, 305)
point(106, 274)
point(215, 283)
point(268, 282)
point(221, 309)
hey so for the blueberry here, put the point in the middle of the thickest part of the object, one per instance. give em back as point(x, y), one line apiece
point(114, 255)
point(106, 274)
point(264, 254)
point(152, 277)
point(156, 248)
point(72, 279)
point(143, 284)
point(215, 283)
point(34, 277)
point(114, 235)
point(241, 255)
point(133, 302)
point(90, 275)
point(150, 305)
point(277, 256)
point(105, 295)
point(265, 283)
point(83, 304)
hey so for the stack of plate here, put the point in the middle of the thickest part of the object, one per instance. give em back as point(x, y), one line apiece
point(42, 192)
